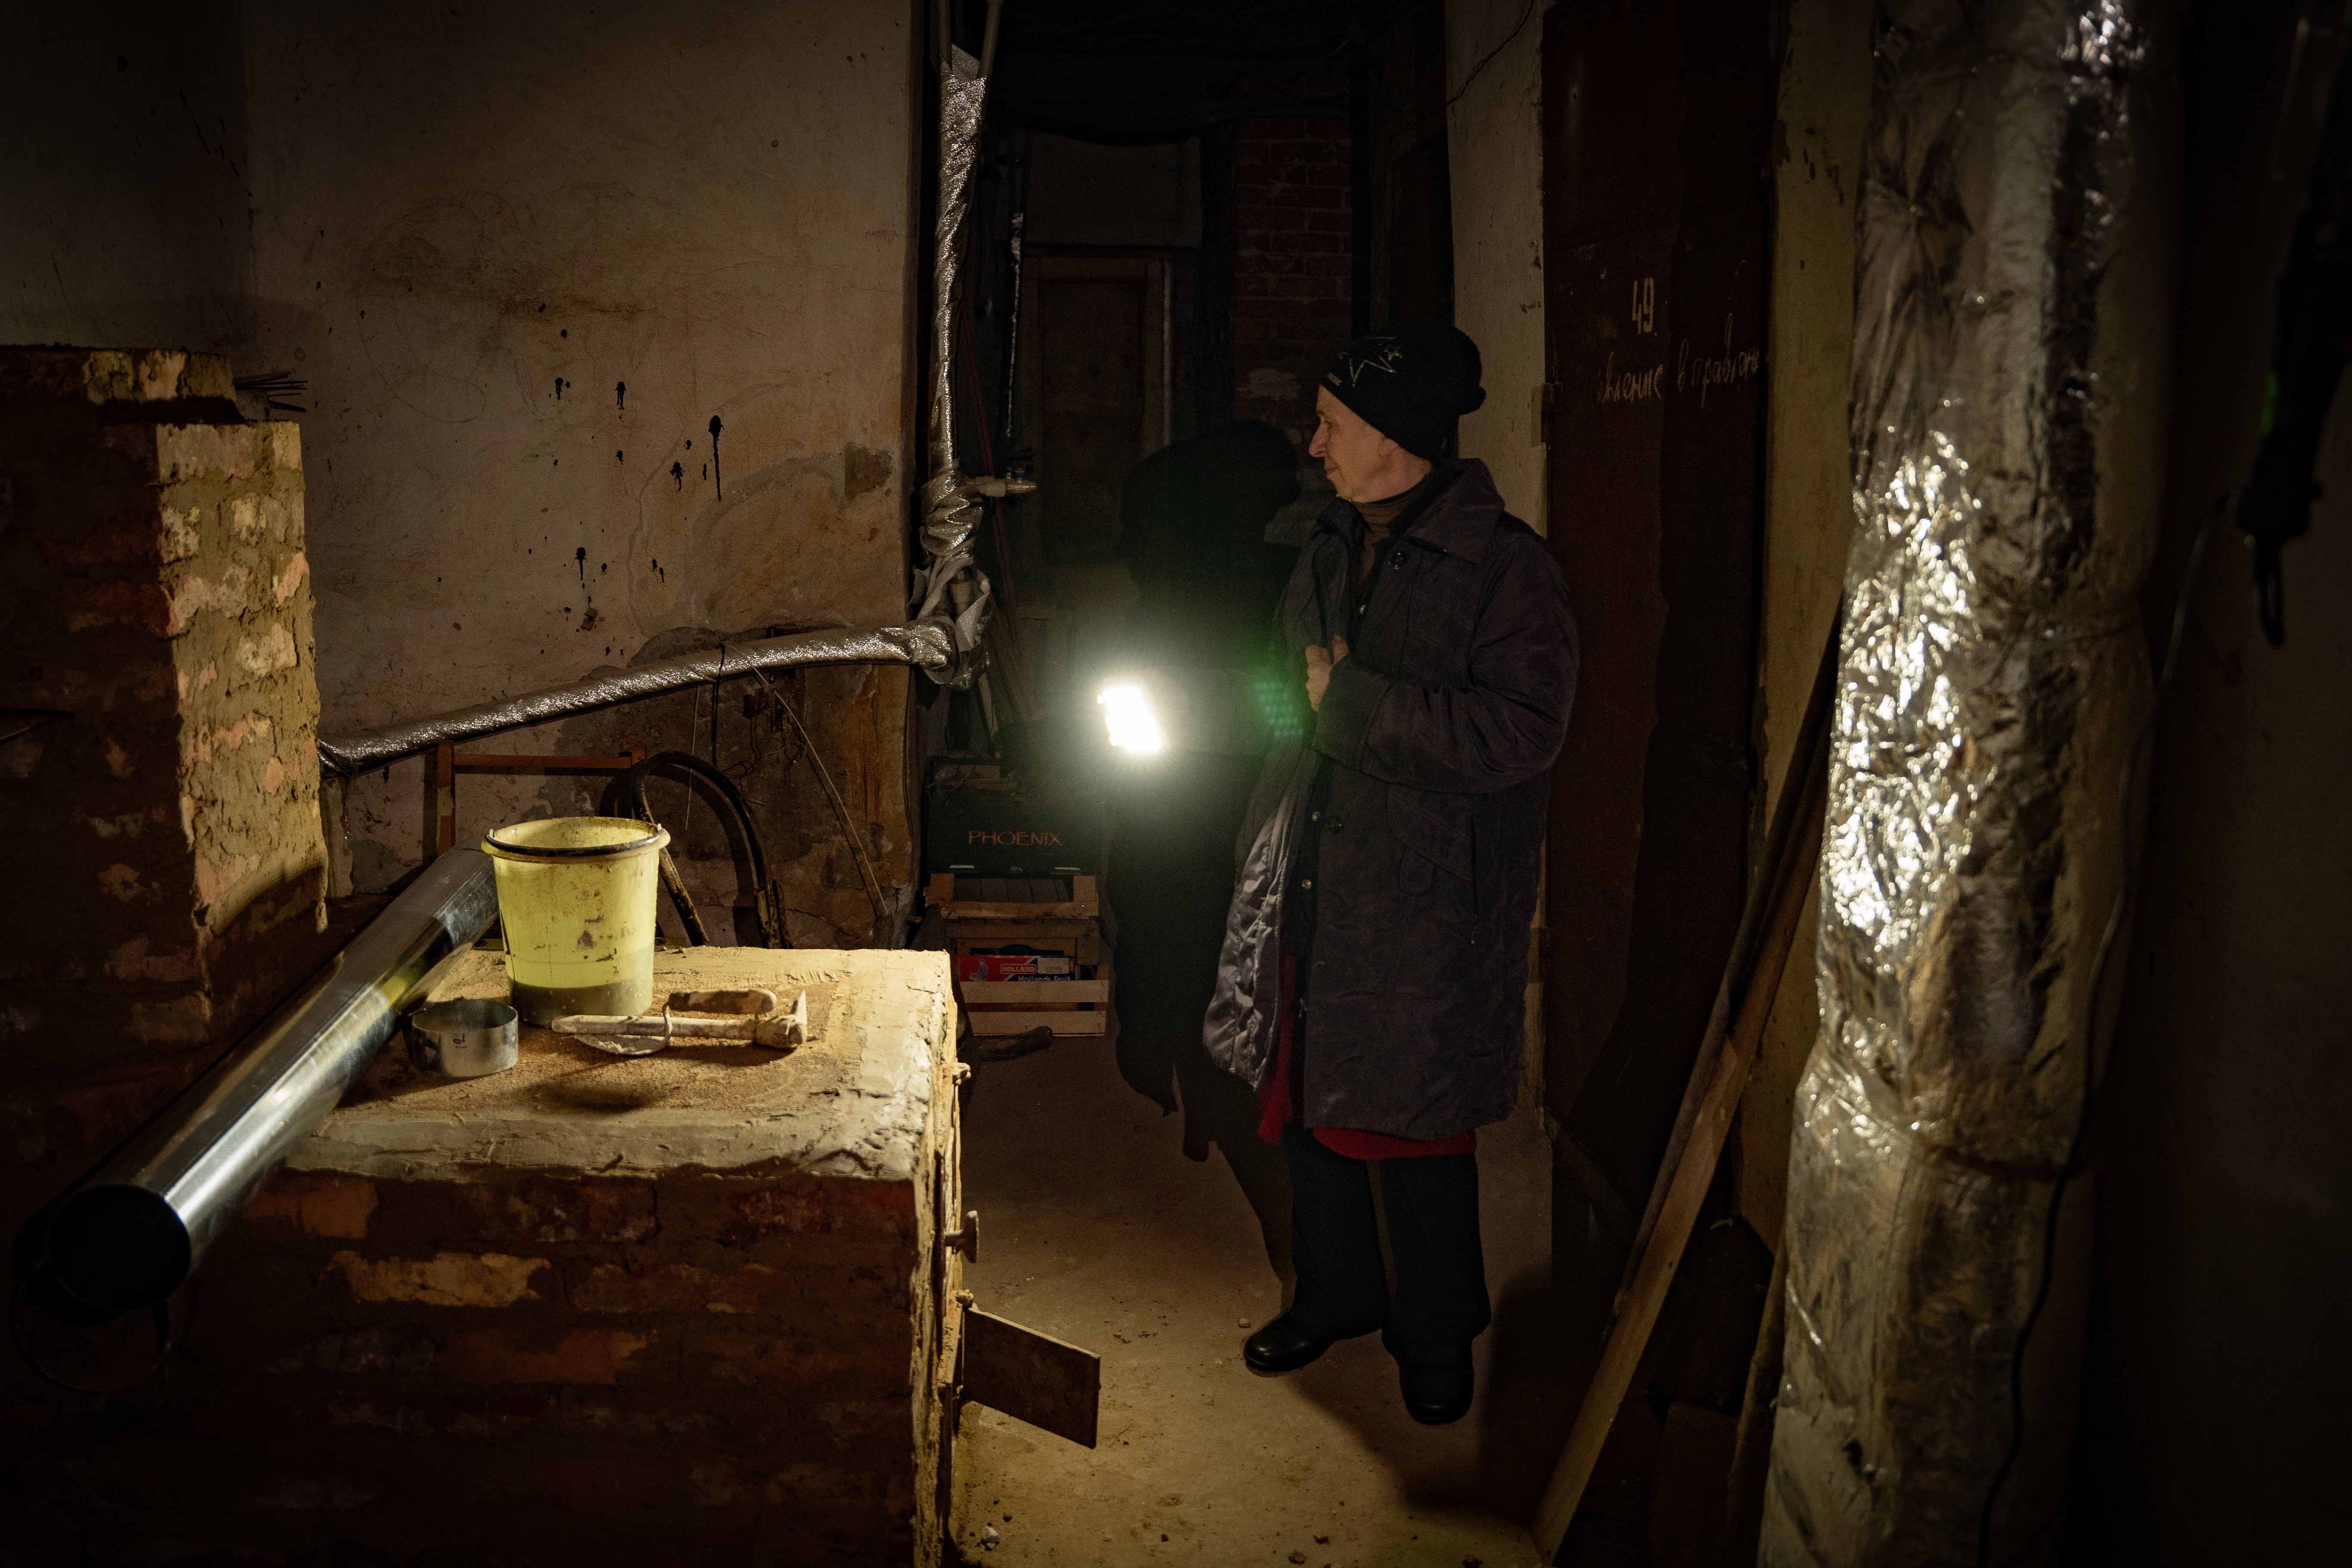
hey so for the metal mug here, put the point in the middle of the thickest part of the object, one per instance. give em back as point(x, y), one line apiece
point(471, 1037)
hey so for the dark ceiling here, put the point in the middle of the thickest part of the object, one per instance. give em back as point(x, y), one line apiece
point(1158, 71)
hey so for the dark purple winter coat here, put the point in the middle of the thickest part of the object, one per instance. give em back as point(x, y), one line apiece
point(1435, 741)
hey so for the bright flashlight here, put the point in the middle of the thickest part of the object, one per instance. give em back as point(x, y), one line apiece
point(1133, 726)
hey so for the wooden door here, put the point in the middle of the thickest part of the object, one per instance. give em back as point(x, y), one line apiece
point(1656, 124)
point(1101, 364)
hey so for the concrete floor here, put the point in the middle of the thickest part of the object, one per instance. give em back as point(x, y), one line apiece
point(1097, 1230)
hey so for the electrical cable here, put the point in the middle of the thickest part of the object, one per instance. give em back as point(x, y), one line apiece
point(625, 795)
point(840, 810)
point(1009, 622)
point(2127, 893)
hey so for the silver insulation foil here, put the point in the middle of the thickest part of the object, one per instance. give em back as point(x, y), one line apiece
point(1991, 669)
point(949, 514)
point(926, 644)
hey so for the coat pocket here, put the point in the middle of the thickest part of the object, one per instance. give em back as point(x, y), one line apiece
point(1435, 833)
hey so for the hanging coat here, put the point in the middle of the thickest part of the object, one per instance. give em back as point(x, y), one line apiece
point(1424, 778)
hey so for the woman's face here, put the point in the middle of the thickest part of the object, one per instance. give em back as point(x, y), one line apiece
point(1357, 458)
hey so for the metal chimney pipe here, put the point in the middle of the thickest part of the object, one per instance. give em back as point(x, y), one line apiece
point(135, 1228)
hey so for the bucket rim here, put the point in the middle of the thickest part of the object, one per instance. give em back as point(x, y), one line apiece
point(655, 837)
point(475, 1015)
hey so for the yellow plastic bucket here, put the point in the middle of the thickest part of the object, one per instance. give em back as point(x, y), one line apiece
point(576, 899)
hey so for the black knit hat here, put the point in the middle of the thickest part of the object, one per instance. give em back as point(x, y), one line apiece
point(1410, 383)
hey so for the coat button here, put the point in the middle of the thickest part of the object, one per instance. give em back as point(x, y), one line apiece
point(1334, 825)
point(1310, 882)
point(1397, 559)
point(1314, 816)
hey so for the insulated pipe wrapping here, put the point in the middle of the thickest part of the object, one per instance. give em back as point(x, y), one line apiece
point(1992, 669)
point(949, 515)
point(926, 644)
point(134, 1230)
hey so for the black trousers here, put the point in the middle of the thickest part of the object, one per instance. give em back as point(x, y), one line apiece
point(1431, 1202)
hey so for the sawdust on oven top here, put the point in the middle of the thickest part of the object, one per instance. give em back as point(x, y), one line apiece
point(555, 1072)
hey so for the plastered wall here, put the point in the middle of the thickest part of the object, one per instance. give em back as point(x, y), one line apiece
point(527, 257)
point(524, 255)
point(1494, 153)
point(2214, 1379)
point(125, 177)
point(1493, 145)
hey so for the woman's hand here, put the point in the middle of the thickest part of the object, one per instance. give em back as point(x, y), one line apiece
point(1320, 661)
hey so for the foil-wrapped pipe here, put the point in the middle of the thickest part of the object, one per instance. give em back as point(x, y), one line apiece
point(2008, 396)
point(949, 514)
point(135, 1228)
point(926, 644)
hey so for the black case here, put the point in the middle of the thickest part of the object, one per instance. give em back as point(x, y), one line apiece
point(976, 823)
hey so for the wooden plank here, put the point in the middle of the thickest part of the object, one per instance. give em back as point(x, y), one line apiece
point(448, 762)
point(980, 933)
point(1812, 733)
point(1630, 1335)
point(1081, 939)
point(976, 911)
point(1012, 899)
point(1022, 1022)
point(1035, 992)
point(1751, 1454)
point(1032, 1377)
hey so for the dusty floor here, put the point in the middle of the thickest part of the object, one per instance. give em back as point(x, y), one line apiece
point(1096, 1229)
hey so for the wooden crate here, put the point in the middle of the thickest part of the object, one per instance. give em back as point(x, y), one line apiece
point(1046, 913)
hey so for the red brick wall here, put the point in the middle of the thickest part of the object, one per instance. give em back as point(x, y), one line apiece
point(1293, 262)
point(528, 1369)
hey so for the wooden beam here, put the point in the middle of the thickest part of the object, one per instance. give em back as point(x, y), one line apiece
point(1083, 904)
point(1034, 993)
point(1812, 735)
point(448, 762)
point(1751, 1453)
point(1069, 1023)
point(1727, 1078)
point(504, 762)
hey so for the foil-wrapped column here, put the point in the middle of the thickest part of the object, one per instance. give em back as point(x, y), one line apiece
point(949, 514)
point(1991, 670)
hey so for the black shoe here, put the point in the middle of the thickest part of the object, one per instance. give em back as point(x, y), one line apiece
point(1436, 1392)
point(1286, 1344)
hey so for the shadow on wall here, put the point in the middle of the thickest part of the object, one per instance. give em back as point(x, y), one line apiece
point(2216, 1388)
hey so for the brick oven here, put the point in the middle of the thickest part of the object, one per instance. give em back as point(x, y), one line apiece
point(695, 1306)
point(687, 1308)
